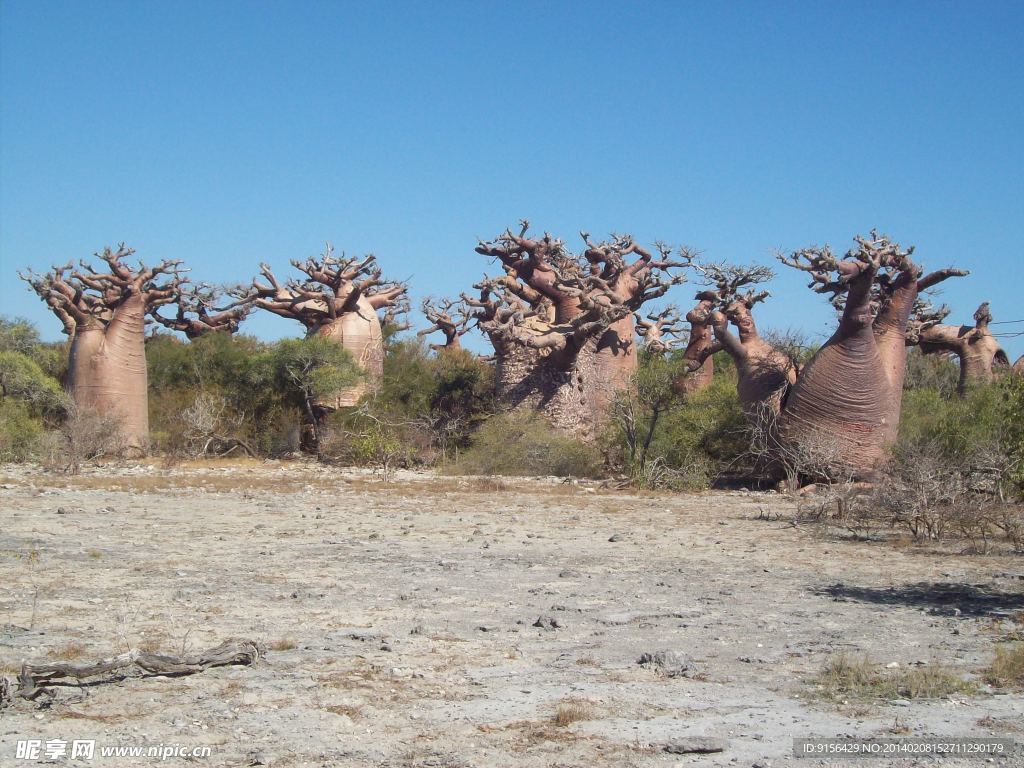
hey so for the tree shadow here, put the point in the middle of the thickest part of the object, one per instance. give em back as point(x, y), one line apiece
point(941, 598)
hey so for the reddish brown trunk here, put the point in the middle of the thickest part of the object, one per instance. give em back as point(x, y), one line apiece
point(764, 375)
point(978, 350)
point(107, 371)
point(890, 330)
point(838, 412)
point(698, 379)
point(615, 362)
point(839, 408)
point(701, 345)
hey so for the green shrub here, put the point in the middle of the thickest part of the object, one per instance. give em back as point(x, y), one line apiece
point(19, 430)
point(524, 445)
point(22, 379)
point(661, 437)
point(985, 428)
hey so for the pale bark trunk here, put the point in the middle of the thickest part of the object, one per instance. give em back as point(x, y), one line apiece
point(360, 333)
point(107, 371)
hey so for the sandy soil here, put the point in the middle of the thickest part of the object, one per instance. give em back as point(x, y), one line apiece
point(401, 619)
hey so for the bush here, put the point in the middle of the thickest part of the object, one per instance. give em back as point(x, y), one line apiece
point(83, 436)
point(22, 379)
point(449, 394)
point(370, 436)
point(953, 473)
point(19, 430)
point(982, 431)
point(522, 445)
point(663, 438)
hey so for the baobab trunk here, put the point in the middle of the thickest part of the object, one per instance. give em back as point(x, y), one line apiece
point(701, 346)
point(573, 315)
point(612, 367)
point(839, 409)
point(763, 374)
point(978, 351)
point(117, 383)
point(338, 300)
point(843, 412)
point(359, 332)
point(105, 316)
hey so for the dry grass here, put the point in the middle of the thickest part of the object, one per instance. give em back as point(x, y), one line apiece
point(99, 717)
point(283, 644)
point(1007, 668)
point(845, 677)
point(69, 651)
point(351, 711)
point(572, 711)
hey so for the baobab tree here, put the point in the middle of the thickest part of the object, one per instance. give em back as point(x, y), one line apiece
point(104, 315)
point(197, 313)
point(978, 351)
point(701, 344)
point(849, 395)
point(661, 331)
point(338, 299)
point(451, 318)
point(561, 323)
point(763, 373)
point(841, 410)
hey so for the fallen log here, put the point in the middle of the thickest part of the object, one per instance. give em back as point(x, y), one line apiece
point(38, 679)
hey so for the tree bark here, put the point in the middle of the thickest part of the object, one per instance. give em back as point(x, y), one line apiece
point(359, 332)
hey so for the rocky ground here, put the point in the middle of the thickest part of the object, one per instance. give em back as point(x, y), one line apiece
point(455, 622)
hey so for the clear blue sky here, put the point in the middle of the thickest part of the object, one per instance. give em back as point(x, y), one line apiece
point(228, 133)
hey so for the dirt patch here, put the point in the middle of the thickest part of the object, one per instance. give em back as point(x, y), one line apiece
point(404, 620)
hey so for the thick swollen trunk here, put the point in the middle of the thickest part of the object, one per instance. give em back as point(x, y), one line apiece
point(360, 333)
point(85, 344)
point(837, 414)
point(107, 372)
point(978, 351)
point(699, 347)
point(698, 379)
point(975, 367)
point(560, 396)
point(890, 329)
point(614, 364)
point(763, 374)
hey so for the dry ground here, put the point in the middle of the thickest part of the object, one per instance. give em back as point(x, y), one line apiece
point(400, 619)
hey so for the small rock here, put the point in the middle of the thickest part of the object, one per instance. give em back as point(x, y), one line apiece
point(548, 623)
point(696, 745)
point(569, 574)
point(672, 663)
point(615, 537)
